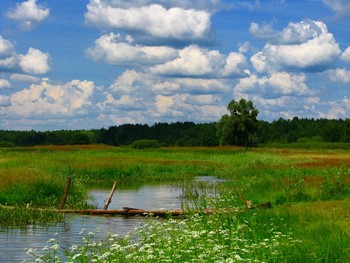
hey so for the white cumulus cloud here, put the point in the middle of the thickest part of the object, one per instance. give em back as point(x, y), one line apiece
point(113, 49)
point(192, 61)
point(8, 57)
point(337, 109)
point(339, 75)
point(153, 20)
point(160, 98)
point(318, 50)
point(50, 100)
point(6, 47)
point(346, 55)
point(294, 33)
point(278, 84)
point(4, 83)
point(35, 62)
point(28, 13)
point(235, 64)
point(24, 78)
point(186, 4)
point(340, 7)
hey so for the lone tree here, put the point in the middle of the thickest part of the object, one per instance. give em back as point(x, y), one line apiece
point(241, 126)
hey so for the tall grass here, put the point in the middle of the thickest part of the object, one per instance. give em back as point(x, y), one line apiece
point(308, 189)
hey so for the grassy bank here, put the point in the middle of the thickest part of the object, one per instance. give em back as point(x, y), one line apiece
point(308, 188)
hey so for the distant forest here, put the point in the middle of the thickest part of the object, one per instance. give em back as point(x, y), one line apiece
point(184, 134)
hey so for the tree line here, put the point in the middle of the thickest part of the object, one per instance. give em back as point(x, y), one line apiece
point(240, 127)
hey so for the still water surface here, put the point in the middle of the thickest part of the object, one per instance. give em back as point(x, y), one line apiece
point(14, 241)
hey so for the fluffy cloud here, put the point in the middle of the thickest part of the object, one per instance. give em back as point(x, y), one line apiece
point(339, 75)
point(276, 85)
point(185, 4)
point(153, 20)
point(6, 47)
point(4, 84)
point(184, 105)
point(295, 33)
point(346, 55)
point(162, 99)
point(265, 32)
point(24, 78)
point(28, 13)
point(340, 7)
point(337, 109)
point(48, 100)
point(35, 62)
point(192, 61)
point(315, 50)
point(113, 49)
point(235, 65)
point(8, 57)
point(133, 82)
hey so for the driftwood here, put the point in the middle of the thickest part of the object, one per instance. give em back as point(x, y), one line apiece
point(126, 211)
point(65, 194)
point(249, 204)
point(109, 200)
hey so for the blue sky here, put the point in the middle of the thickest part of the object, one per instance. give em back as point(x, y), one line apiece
point(82, 64)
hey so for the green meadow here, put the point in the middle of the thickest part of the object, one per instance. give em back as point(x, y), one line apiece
point(309, 190)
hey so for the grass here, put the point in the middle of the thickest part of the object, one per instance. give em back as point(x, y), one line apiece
point(308, 188)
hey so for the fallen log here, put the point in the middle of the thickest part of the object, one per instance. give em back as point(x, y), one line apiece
point(136, 212)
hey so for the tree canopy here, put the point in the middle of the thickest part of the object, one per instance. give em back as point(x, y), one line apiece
point(240, 127)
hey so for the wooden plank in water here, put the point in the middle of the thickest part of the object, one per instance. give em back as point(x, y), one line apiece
point(138, 212)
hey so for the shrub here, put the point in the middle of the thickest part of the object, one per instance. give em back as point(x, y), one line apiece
point(145, 144)
point(5, 144)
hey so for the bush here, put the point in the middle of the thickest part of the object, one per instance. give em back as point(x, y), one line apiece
point(145, 144)
point(5, 144)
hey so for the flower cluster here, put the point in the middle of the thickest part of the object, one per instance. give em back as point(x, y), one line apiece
point(215, 238)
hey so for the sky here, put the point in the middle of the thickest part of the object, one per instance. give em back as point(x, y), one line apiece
point(88, 64)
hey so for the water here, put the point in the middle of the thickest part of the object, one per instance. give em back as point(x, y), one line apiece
point(14, 241)
point(146, 197)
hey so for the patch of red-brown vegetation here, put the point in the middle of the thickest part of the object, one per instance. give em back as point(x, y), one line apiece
point(314, 159)
point(73, 147)
point(322, 162)
point(313, 180)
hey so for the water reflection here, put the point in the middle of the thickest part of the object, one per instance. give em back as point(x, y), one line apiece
point(145, 197)
point(13, 241)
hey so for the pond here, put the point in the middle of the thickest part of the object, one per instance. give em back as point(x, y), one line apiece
point(13, 241)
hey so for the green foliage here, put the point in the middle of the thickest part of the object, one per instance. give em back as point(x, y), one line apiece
point(313, 231)
point(5, 144)
point(234, 128)
point(294, 191)
point(336, 184)
point(145, 144)
point(81, 138)
point(23, 216)
point(346, 131)
point(219, 238)
point(240, 127)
